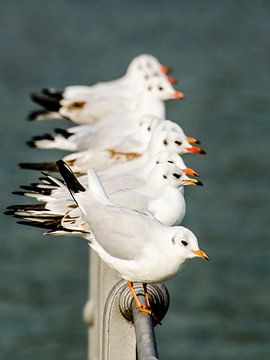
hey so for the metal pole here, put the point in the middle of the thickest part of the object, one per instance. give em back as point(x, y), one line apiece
point(144, 324)
point(145, 334)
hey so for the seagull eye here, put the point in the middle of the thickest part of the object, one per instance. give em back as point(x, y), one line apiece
point(165, 142)
point(157, 162)
point(177, 176)
point(149, 128)
point(170, 161)
point(164, 176)
point(160, 88)
point(178, 142)
point(184, 242)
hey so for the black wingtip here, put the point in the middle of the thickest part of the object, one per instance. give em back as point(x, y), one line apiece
point(47, 101)
point(21, 193)
point(31, 144)
point(70, 179)
point(63, 132)
point(57, 94)
point(50, 167)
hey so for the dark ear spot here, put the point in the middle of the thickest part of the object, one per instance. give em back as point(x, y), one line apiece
point(149, 88)
point(173, 241)
point(165, 142)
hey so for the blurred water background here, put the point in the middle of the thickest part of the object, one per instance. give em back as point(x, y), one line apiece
point(219, 51)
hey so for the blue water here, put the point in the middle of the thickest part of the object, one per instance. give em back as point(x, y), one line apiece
point(219, 51)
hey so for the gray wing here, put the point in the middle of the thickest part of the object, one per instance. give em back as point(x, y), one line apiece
point(130, 199)
point(122, 233)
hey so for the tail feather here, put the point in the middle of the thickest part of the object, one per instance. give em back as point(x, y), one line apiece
point(48, 141)
point(26, 207)
point(54, 93)
point(51, 167)
point(62, 132)
point(36, 189)
point(48, 224)
point(46, 101)
point(71, 181)
point(43, 115)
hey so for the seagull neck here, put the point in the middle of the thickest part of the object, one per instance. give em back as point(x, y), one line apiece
point(148, 104)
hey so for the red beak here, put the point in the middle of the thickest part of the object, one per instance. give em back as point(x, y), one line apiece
point(165, 69)
point(178, 95)
point(193, 140)
point(196, 150)
point(189, 171)
point(172, 80)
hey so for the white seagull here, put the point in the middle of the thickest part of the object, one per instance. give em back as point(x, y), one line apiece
point(140, 248)
point(84, 137)
point(139, 70)
point(160, 197)
point(101, 159)
point(150, 100)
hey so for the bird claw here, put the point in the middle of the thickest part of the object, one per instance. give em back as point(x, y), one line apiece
point(145, 309)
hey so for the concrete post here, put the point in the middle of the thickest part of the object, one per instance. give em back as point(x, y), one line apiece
point(109, 314)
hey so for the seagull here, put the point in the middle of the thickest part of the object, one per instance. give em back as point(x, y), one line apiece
point(101, 159)
point(140, 248)
point(160, 197)
point(139, 70)
point(85, 139)
point(133, 175)
point(149, 100)
point(114, 179)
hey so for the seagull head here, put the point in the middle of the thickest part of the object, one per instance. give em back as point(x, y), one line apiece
point(185, 243)
point(160, 88)
point(147, 124)
point(143, 64)
point(168, 140)
point(170, 175)
point(173, 158)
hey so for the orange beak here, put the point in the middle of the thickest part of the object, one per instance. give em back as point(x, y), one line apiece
point(192, 182)
point(201, 254)
point(172, 80)
point(165, 69)
point(196, 150)
point(178, 95)
point(189, 171)
point(193, 140)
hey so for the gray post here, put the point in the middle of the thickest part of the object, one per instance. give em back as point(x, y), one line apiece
point(145, 335)
point(109, 315)
point(143, 323)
